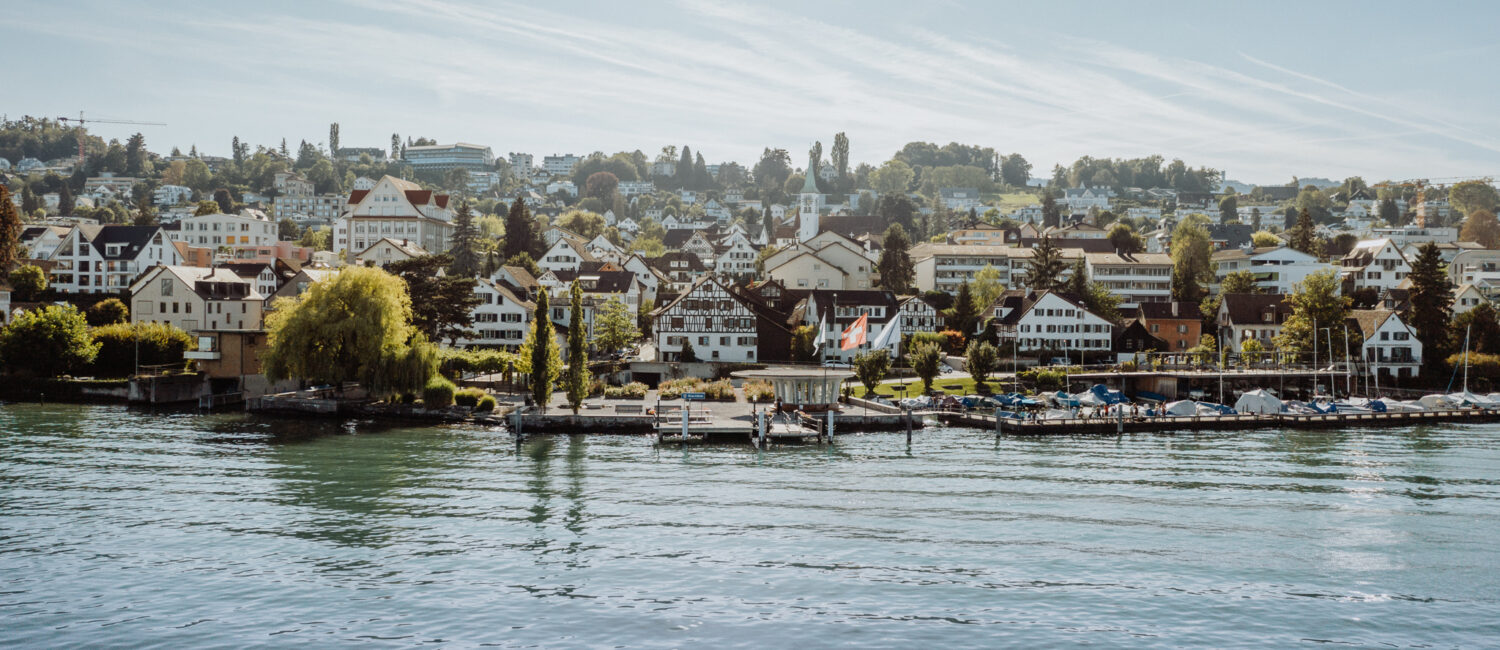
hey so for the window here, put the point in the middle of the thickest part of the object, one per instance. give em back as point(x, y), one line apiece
point(166, 287)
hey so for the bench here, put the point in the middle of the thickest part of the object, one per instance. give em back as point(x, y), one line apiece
point(636, 409)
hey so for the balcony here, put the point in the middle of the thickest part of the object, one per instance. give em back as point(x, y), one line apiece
point(201, 355)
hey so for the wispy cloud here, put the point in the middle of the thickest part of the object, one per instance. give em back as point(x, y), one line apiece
point(729, 79)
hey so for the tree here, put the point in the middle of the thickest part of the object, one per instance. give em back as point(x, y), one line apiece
point(1471, 196)
point(465, 255)
point(520, 234)
point(897, 209)
point(107, 312)
point(125, 346)
point(840, 154)
point(576, 385)
point(1239, 282)
point(1124, 240)
point(1317, 301)
point(601, 185)
point(1251, 351)
point(896, 270)
point(1482, 326)
point(988, 286)
point(136, 163)
point(688, 355)
point(614, 326)
point(583, 223)
point(65, 201)
point(10, 229)
point(871, 367)
point(524, 261)
point(47, 342)
point(702, 180)
point(541, 354)
point(1051, 213)
point(894, 177)
point(980, 360)
point(1389, 213)
point(318, 239)
point(1431, 304)
point(353, 326)
point(1206, 352)
point(804, 344)
point(643, 316)
point(965, 312)
point(1229, 208)
point(27, 281)
point(1263, 239)
point(225, 201)
point(1192, 257)
point(333, 139)
point(1482, 227)
point(1045, 267)
point(1255, 218)
point(774, 167)
point(925, 358)
point(445, 306)
point(1015, 171)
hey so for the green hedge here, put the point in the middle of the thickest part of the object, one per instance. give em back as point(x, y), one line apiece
point(160, 344)
point(438, 393)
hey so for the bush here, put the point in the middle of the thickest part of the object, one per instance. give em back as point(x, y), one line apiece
point(438, 393)
point(47, 342)
point(109, 311)
point(759, 391)
point(469, 397)
point(160, 344)
point(720, 389)
point(632, 390)
point(717, 390)
point(597, 387)
point(486, 404)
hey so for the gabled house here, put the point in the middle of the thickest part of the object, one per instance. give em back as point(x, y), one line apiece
point(1053, 321)
point(1245, 316)
point(502, 319)
point(1376, 263)
point(1391, 347)
point(396, 209)
point(1467, 297)
point(105, 259)
point(1135, 339)
point(681, 269)
point(1178, 324)
point(196, 299)
point(735, 256)
point(712, 320)
point(566, 254)
point(386, 250)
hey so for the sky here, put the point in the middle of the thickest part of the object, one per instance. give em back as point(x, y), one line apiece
point(1262, 90)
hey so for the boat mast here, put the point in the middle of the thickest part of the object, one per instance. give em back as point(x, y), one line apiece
point(1466, 358)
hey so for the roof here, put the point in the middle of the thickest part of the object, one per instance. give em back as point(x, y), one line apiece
point(507, 293)
point(1025, 305)
point(521, 275)
point(208, 282)
point(1162, 259)
point(825, 299)
point(132, 239)
point(1250, 308)
point(405, 246)
point(603, 281)
point(851, 226)
point(1370, 320)
point(1238, 253)
point(247, 270)
point(1068, 243)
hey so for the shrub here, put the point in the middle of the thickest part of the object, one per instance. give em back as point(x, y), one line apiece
point(468, 397)
point(632, 390)
point(109, 311)
point(438, 393)
point(674, 388)
point(720, 389)
point(47, 342)
point(759, 391)
point(597, 387)
point(486, 404)
point(1051, 379)
point(160, 344)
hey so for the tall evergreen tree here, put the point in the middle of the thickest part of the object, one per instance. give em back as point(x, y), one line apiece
point(1078, 282)
point(286, 153)
point(65, 201)
point(395, 146)
point(577, 381)
point(1045, 267)
point(136, 162)
point(519, 229)
point(225, 201)
point(1431, 304)
point(840, 154)
point(1389, 213)
point(701, 178)
point(10, 229)
point(543, 364)
point(965, 312)
point(768, 222)
point(684, 175)
point(465, 257)
point(29, 202)
point(333, 139)
point(896, 269)
point(1051, 213)
point(1304, 237)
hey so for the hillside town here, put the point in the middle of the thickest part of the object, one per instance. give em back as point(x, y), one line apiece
point(674, 267)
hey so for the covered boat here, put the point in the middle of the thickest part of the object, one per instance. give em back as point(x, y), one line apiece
point(1180, 408)
point(1257, 401)
point(1212, 409)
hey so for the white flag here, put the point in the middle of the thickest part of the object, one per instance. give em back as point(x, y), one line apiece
point(822, 325)
point(887, 334)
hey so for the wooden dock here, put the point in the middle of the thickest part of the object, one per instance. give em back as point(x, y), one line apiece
point(1106, 426)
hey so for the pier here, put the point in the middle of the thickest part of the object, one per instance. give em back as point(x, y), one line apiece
point(1105, 426)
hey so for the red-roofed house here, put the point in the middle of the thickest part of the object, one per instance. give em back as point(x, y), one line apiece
point(396, 209)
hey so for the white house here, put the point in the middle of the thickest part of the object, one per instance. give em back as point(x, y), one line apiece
point(735, 256)
point(501, 319)
point(566, 254)
point(1391, 348)
point(1467, 297)
point(1245, 316)
point(194, 299)
point(1081, 199)
point(246, 228)
point(710, 319)
point(1277, 269)
point(396, 209)
point(387, 250)
point(101, 259)
point(1135, 278)
point(1375, 263)
point(960, 198)
point(171, 195)
point(1050, 321)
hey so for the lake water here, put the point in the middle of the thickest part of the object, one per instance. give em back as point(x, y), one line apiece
point(126, 528)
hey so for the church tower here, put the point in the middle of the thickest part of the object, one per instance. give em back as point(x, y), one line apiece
point(807, 206)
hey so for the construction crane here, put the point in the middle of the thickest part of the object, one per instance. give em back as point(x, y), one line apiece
point(81, 122)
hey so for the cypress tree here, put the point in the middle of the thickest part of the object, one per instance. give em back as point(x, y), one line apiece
point(542, 372)
point(1431, 304)
point(896, 270)
point(65, 201)
point(577, 382)
point(965, 313)
point(518, 229)
point(10, 228)
point(684, 174)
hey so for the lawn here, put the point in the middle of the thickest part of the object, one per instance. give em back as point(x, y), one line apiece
point(950, 384)
point(1012, 201)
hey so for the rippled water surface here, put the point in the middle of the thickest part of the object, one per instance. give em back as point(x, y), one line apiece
point(122, 527)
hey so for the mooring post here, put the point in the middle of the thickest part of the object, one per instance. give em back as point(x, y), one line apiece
point(517, 413)
point(830, 426)
point(997, 422)
point(760, 424)
point(1119, 421)
point(685, 408)
point(908, 423)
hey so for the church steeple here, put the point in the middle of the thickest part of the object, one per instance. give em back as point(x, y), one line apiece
point(808, 202)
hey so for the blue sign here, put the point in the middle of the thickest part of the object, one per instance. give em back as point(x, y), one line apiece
point(690, 396)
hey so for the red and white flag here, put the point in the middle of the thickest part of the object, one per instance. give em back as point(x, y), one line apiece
point(855, 335)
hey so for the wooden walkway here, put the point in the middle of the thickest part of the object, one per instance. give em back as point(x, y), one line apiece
point(1098, 426)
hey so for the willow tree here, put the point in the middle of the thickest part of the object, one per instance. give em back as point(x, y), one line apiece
point(577, 382)
point(354, 326)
